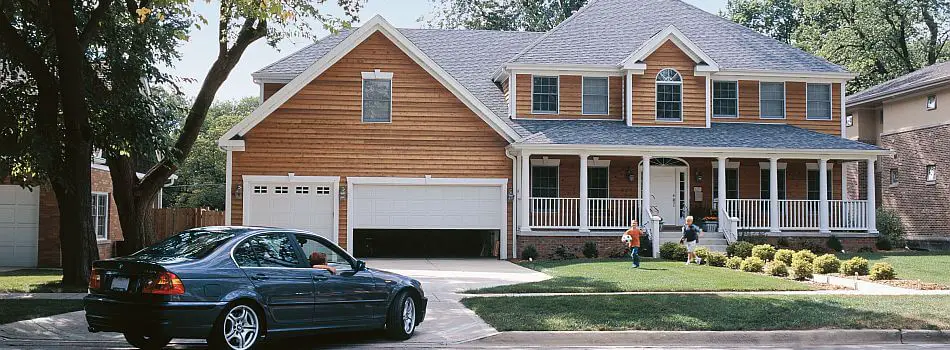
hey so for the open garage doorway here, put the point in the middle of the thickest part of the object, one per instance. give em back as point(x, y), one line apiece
point(375, 243)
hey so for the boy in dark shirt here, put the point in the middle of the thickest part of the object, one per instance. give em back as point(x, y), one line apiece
point(691, 239)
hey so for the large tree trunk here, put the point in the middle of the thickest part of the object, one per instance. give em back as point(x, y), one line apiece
point(73, 191)
point(131, 204)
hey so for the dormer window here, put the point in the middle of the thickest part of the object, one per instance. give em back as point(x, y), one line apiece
point(544, 95)
point(669, 95)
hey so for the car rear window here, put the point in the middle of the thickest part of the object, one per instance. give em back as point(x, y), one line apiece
point(187, 245)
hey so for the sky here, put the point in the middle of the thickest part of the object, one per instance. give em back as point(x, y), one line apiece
point(200, 51)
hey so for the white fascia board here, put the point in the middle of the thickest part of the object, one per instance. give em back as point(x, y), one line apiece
point(764, 75)
point(273, 78)
point(679, 39)
point(675, 151)
point(289, 178)
point(231, 145)
point(425, 181)
point(377, 23)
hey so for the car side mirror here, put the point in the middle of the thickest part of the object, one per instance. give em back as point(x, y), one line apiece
point(360, 265)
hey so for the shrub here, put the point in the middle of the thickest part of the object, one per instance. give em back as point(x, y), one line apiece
point(716, 259)
point(673, 251)
point(882, 243)
point(891, 228)
point(529, 253)
point(777, 268)
point(703, 253)
point(805, 255)
point(590, 250)
point(827, 263)
point(741, 249)
point(882, 271)
point(784, 255)
point(783, 242)
point(763, 251)
point(562, 252)
point(801, 269)
point(734, 263)
point(752, 264)
point(856, 265)
point(834, 244)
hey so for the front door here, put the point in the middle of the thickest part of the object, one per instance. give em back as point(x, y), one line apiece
point(668, 186)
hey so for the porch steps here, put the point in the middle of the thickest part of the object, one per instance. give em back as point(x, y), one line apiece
point(714, 241)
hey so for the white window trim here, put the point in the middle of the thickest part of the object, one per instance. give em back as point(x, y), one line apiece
point(849, 120)
point(558, 182)
point(784, 100)
point(106, 226)
point(558, 77)
point(831, 104)
point(927, 179)
point(376, 75)
point(894, 180)
point(656, 86)
point(927, 102)
point(831, 181)
point(583, 95)
point(713, 103)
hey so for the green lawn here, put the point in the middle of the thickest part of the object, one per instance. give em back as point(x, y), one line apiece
point(670, 312)
point(926, 266)
point(34, 281)
point(25, 309)
point(653, 275)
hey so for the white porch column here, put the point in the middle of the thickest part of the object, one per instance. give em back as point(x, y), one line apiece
point(823, 196)
point(585, 223)
point(773, 196)
point(525, 191)
point(645, 190)
point(872, 198)
point(512, 101)
point(721, 195)
point(628, 98)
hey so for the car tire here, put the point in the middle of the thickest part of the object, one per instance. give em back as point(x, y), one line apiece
point(238, 328)
point(147, 342)
point(401, 317)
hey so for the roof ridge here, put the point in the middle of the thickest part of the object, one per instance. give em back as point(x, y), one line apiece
point(469, 30)
point(552, 30)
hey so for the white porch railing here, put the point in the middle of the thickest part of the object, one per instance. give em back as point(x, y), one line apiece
point(563, 213)
point(752, 213)
point(847, 215)
point(613, 213)
point(798, 214)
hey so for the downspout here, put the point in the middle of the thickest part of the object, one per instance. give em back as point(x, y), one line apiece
point(516, 181)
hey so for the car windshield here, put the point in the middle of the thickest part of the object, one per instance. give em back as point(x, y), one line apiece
point(187, 245)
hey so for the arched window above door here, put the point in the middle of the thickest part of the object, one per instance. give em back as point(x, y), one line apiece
point(669, 95)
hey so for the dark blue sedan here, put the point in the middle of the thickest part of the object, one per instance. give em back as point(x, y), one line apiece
point(234, 285)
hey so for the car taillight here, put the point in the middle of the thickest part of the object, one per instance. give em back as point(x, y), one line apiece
point(165, 283)
point(94, 279)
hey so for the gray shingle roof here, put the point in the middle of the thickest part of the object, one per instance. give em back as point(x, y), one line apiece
point(731, 135)
point(922, 77)
point(297, 62)
point(607, 31)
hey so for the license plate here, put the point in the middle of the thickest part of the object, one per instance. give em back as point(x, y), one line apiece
point(120, 284)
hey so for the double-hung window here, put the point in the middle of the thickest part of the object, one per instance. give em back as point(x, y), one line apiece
point(725, 99)
point(819, 101)
point(544, 181)
point(377, 97)
point(597, 182)
point(544, 95)
point(732, 184)
point(669, 95)
point(765, 183)
point(100, 215)
point(772, 100)
point(814, 190)
point(595, 95)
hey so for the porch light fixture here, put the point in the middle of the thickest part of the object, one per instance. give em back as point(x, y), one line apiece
point(238, 191)
point(699, 177)
point(343, 192)
point(631, 173)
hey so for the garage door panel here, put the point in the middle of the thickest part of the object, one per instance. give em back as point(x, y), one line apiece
point(308, 206)
point(19, 218)
point(427, 206)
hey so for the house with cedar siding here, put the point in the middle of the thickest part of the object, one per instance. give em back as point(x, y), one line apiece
point(431, 142)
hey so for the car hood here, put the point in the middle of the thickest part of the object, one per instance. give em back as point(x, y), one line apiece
point(393, 276)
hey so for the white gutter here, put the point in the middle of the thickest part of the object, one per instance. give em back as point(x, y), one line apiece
point(516, 179)
point(737, 152)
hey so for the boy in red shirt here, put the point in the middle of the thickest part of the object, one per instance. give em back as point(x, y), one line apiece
point(632, 238)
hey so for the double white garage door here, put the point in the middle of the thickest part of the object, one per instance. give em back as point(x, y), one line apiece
point(19, 225)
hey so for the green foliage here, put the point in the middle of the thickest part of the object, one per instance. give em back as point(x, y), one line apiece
point(716, 259)
point(741, 249)
point(882, 271)
point(703, 253)
point(801, 268)
point(827, 263)
point(562, 252)
point(590, 250)
point(783, 242)
point(784, 255)
point(854, 266)
point(776, 268)
point(891, 228)
point(752, 264)
point(529, 15)
point(834, 244)
point(673, 251)
point(734, 262)
point(763, 251)
point(529, 253)
point(804, 255)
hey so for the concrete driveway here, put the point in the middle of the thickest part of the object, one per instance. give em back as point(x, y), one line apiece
point(447, 321)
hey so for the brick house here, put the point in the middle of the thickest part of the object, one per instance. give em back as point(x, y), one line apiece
point(394, 142)
point(904, 115)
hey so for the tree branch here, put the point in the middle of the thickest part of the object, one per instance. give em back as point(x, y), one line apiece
point(92, 27)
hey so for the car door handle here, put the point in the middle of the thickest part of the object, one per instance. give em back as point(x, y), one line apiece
point(320, 278)
point(259, 277)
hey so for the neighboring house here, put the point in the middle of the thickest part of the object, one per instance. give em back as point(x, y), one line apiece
point(394, 141)
point(29, 221)
point(906, 116)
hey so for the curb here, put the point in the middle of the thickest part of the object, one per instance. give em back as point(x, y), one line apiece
point(713, 338)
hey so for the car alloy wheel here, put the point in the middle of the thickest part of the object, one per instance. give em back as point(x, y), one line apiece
point(241, 327)
point(401, 317)
point(408, 316)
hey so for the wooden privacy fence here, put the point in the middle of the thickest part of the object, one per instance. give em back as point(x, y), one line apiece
point(169, 221)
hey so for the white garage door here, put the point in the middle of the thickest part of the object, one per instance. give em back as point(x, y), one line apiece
point(428, 207)
point(304, 206)
point(19, 225)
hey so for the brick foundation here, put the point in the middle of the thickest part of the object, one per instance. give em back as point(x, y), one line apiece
point(607, 246)
point(850, 244)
